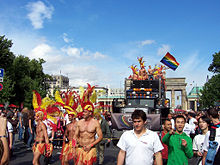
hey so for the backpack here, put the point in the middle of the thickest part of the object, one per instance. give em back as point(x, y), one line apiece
point(212, 148)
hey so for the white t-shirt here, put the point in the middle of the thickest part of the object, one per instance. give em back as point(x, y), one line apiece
point(140, 151)
point(206, 141)
point(9, 127)
point(66, 118)
point(192, 124)
point(198, 142)
point(187, 129)
point(173, 124)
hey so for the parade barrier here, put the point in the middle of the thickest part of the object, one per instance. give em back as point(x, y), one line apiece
point(121, 121)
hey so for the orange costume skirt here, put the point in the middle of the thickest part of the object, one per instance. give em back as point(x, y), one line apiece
point(86, 158)
point(68, 151)
point(41, 148)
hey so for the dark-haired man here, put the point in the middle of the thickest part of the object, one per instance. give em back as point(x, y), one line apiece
point(198, 140)
point(68, 151)
point(140, 145)
point(86, 129)
point(167, 126)
point(179, 144)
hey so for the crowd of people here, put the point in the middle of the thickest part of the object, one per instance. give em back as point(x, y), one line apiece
point(72, 122)
point(186, 138)
point(36, 132)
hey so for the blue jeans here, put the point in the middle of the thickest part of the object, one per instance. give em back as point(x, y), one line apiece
point(20, 132)
point(31, 136)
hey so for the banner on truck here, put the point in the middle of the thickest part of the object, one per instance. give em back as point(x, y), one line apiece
point(123, 121)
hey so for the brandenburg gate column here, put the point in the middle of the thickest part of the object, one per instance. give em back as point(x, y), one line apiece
point(173, 98)
point(183, 101)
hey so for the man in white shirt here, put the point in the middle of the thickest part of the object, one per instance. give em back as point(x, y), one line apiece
point(169, 116)
point(10, 135)
point(192, 123)
point(140, 145)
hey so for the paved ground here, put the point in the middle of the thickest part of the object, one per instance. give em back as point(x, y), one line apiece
point(23, 157)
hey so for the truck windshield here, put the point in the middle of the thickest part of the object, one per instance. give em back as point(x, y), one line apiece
point(141, 102)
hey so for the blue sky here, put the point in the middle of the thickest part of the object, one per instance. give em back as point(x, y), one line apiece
point(96, 41)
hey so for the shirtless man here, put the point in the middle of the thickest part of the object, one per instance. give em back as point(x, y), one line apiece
point(41, 142)
point(68, 150)
point(86, 130)
point(150, 72)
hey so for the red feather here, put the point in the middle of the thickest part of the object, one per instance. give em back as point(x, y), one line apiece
point(38, 97)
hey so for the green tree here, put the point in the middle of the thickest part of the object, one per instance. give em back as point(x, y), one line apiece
point(211, 89)
point(29, 76)
point(22, 76)
point(6, 58)
point(215, 65)
point(7, 91)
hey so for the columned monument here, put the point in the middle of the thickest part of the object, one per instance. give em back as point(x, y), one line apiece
point(177, 84)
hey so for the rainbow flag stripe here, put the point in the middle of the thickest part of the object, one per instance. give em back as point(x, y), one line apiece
point(170, 61)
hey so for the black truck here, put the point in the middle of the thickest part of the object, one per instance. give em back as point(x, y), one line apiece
point(148, 95)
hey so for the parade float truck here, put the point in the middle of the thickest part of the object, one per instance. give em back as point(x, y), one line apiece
point(144, 90)
point(147, 95)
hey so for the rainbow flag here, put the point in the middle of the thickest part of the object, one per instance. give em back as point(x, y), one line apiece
point(170, 61)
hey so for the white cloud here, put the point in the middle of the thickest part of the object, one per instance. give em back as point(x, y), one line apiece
point(78, 64)
point(146, 42)
point(98, 55)
point(83, 54)
point(51, 55)
point(163, 50)
point(38, 12)
point(66, 39)
point(40, 51)
point(72, 51)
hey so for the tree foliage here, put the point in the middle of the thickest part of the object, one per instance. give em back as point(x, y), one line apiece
point(6, 56)
point(211, 92)
point(215, 65)
point(23, 75)
point(211, 89)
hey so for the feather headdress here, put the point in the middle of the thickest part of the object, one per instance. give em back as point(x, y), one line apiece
point(88, 98)
point(46, 106)
point(141, 62)
point(68, 100)
point(37, 104)
point(134, 69)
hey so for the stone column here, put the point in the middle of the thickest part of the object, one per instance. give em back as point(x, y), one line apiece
point(183, 101)
point(173, 99)
point(104, 105)
point(111, 110)
point(195, 105)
